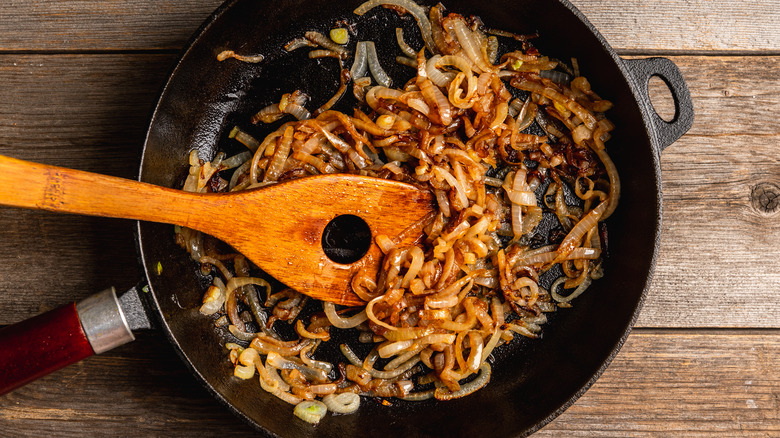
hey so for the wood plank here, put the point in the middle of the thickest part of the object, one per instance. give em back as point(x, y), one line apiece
point(687, 383)
point(667, 382)
point(631, 26)
point(702, 279)
point(662, 382)
point(62, 108)
point(694, 26)
point(49, 259)
point(719, 263)
point(100, 25)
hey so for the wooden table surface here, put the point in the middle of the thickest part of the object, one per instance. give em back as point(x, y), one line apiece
point(78, 79)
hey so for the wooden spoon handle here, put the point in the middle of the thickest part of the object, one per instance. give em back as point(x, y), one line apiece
point(44, 187)
point(279, 227)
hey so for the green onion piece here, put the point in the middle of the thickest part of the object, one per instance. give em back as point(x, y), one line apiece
point(158, 268)
point(339, 35)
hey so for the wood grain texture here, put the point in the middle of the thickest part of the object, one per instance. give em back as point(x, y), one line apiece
point(140, 389)
point(670, 383)
point(682, 383)
point(715, 243)
point(732, 95)
point(694, 26)
point(67, 109)
point(719, 263)
point(88, 113)
point(631, 26)
point(50, 260)
point(718, 266)
point(100, 25)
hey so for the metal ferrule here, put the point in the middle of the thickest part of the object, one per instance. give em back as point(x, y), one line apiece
point(103, 321)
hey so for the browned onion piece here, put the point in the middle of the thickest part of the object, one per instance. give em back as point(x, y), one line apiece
point(326, 43)
point(479, 382)
point(269, 114)
point(578, 232)
point(227, 54)
point(279, 156)
point(298, 43)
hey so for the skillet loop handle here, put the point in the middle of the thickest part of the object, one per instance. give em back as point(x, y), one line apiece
point(644, 69)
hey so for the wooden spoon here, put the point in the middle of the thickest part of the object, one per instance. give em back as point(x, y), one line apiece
point(278, 227)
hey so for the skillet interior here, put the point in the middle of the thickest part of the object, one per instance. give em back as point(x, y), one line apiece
point(533, 381)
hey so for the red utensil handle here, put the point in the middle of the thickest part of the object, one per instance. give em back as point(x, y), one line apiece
point(43, 344)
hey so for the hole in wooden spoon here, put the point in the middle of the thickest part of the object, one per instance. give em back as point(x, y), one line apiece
point(346, 239)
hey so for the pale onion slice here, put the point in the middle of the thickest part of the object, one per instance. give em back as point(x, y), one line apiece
point(438, 77)
point(360, 65)
point(344, 403)
point(522, 197)
point(244, 372)
point(388, 349)
point(310, 411)
point(338, 321)
point(380, 75)
point(471, 45)
point(577, 292)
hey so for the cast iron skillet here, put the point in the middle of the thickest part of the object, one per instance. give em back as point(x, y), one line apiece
point(532, 381)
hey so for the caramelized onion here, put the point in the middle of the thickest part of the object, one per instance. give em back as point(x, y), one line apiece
point(483, 377)
point(439, 305)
